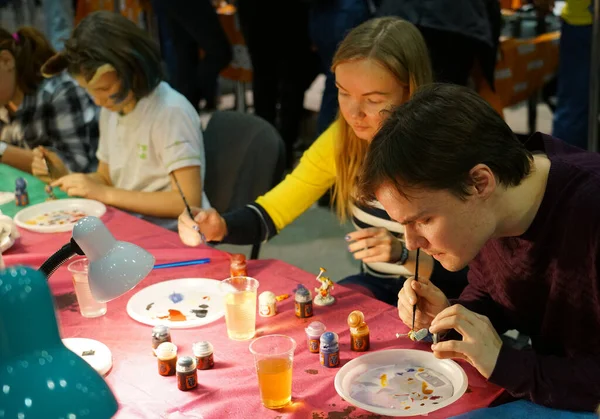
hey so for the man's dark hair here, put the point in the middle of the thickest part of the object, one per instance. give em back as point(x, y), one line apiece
point(436, 138)
point(110, 38)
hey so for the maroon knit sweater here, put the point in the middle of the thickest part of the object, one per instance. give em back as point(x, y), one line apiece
point(546, 284)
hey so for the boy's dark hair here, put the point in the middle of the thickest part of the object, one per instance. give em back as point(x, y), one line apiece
point(436, 138)
point(31, 49)
point(110, 38)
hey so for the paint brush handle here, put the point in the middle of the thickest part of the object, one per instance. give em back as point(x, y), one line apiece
point(416, 279)
point(182, 263)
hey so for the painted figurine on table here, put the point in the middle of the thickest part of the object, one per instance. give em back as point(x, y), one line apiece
point(324, 298)
point(50, 192)
point(21, 195)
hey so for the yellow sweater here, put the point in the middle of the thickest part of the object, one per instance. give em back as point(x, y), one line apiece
point(314, 175)
point(578, 12)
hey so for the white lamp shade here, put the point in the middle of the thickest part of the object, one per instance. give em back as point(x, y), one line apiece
point(115, 267)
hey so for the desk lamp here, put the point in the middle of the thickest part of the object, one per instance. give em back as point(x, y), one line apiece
point(115, 267)
point(39, 376)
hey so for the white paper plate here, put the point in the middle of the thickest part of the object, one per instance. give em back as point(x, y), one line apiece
point(184, 295)
point(101, 360)
point(6, 197)
point(361, 382)
point(5, 243)
point(87, 206)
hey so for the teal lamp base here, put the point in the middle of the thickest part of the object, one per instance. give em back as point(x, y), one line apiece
point(39, 376)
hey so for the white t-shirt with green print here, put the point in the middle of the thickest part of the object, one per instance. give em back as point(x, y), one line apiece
point(161, 134)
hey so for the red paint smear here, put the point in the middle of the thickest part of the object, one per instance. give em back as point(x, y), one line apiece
point(206, 297)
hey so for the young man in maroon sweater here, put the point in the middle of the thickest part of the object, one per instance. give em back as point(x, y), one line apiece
point(524, 217)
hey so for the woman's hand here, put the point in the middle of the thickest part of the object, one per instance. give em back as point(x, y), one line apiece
point(206, 223)
point(375, 244)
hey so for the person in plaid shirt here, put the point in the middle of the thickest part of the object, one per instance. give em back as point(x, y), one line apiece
point(55, 113)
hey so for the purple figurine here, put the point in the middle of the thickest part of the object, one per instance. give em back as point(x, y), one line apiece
point(21, 195)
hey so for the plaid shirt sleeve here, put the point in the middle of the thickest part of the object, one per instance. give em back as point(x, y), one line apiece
point(70, 123)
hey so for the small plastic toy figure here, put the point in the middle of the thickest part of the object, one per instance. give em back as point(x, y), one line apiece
point(21, 195)
point(324, 298)
point(50, 192)
point(420, 335)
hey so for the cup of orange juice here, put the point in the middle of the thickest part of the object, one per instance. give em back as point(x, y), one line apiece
point(274, 358)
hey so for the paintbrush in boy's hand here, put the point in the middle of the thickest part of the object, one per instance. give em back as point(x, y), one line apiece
point(187, 206)
point(416, 279)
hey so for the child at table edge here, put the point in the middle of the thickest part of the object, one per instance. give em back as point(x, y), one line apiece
point(148, 131)
point(523, 216)
point(53, 112)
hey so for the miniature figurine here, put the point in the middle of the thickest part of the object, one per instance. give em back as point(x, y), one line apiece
point(21, 195)
point(50, 192)
point(420, 335)
point(267, 306)
point(324, 298)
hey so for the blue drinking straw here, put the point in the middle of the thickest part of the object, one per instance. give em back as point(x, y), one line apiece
point(182, 263)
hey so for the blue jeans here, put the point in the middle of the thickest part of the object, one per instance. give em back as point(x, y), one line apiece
point(387, 289)
point(329, 22)
point(573, 90)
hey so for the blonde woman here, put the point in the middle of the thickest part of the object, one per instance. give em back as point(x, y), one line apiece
point(378, 66)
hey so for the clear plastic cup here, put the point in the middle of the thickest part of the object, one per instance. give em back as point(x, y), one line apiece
point(274, 359)
point(240, 306)
point(88, 307)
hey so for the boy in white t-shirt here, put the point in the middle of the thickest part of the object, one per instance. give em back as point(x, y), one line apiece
point(147, 130)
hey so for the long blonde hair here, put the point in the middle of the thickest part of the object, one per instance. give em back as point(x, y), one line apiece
point(398, 46)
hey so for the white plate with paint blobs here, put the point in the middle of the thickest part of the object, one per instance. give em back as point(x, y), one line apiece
point(178, 303)
point(401, 382)
point(57, 216)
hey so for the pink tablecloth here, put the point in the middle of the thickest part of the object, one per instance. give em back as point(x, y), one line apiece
point(229, 390)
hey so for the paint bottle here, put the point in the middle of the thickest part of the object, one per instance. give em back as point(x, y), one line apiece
point(359, 332)
point(238, 265)
point(303, 302)
point(160, 334)
point(267, 304)
point(167, 358)
point(203, 351)
point(313, 335)
point(329, 354)
point(187, 377)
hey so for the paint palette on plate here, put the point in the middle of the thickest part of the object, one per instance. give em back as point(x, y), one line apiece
point(400, 382)
point(178, 303)
point(401, 387)
point(58, 217)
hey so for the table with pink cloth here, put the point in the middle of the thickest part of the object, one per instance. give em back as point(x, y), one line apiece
point(230, 390)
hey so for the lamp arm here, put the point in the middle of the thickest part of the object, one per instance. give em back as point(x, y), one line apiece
point(61, 256)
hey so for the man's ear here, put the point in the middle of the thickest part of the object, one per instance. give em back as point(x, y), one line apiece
point(483, 180)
